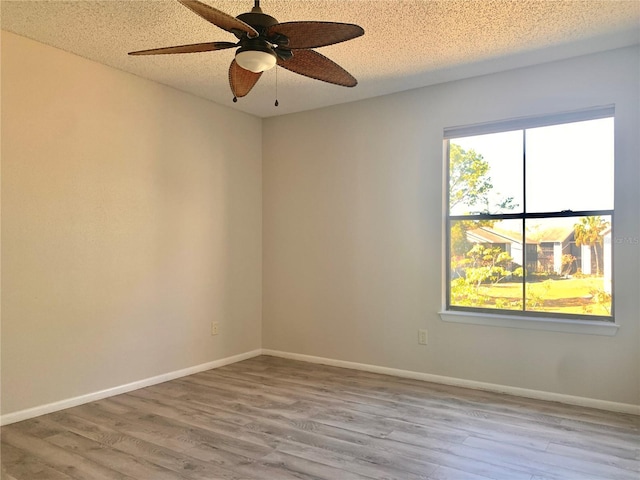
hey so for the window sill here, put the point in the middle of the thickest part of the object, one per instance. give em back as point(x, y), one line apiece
point(587, 327)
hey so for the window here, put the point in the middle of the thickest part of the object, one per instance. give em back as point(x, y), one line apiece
point(530, 216)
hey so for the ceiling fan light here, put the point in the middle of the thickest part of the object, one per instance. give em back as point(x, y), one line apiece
point(255, 61)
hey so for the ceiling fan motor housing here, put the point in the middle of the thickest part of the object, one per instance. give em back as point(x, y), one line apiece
point(258, 20)
point(261, 22)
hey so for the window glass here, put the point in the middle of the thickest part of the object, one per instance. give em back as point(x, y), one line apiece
point(485, 173)
point(570, 268)
point(486, 264)
point(570, 166)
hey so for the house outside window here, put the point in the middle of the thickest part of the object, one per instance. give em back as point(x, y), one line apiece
point(530, 216)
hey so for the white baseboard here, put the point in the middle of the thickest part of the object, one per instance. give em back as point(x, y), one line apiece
point(109, 392)
point(459, 382)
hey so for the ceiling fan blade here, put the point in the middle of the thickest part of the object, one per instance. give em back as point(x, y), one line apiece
point(196, 47)
point(241, 80)
point(313, 65)
point(315, 34)
point(218, 18)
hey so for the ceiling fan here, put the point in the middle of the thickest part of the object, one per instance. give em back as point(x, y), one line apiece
point(264, 42)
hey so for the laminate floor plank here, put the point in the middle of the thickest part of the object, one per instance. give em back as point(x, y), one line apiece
point(418, 415)
point(488, 400)
point(184, 464)
point(57, 458)
point(417, 410)
point(583, 465)
point(268, 425)
point(281, 465)
point(378, 468)
point(16, 463)
point(446, 473)
point(175, 435)
point(119, 461)
point(557, 431)
point(39, 427)
point(270, 418)
point(593, 454)
point(405, 456)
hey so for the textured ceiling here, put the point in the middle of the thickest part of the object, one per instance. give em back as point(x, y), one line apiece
point(407, 43)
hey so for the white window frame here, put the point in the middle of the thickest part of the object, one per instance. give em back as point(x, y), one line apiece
point(501, 318)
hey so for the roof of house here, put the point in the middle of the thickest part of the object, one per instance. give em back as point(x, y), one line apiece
point(553, 234)
point(493, 235)
point(497, 235)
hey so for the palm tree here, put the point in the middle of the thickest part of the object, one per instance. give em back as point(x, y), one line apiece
point(589, 232)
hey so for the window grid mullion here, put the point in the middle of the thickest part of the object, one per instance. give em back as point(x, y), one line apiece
point(535, 215)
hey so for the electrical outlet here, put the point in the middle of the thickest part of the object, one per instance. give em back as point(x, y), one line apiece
point(214, 328)
point(422, 336)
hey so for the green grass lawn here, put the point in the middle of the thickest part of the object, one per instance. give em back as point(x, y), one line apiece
point(572, 295)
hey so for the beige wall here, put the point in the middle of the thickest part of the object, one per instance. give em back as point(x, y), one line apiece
point(353, 221)
point(131, 218)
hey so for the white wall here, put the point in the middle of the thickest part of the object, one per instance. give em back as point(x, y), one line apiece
point(131, 218)
point(353, 224)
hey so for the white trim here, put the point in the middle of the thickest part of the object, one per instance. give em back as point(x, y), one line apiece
point(109, 392)
point(522, 123)
point(459, 382)
point(531, 323)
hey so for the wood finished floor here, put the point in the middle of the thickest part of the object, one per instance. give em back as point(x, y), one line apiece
point(275, 419)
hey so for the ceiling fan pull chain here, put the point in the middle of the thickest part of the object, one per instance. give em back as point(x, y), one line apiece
point(276, 104)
